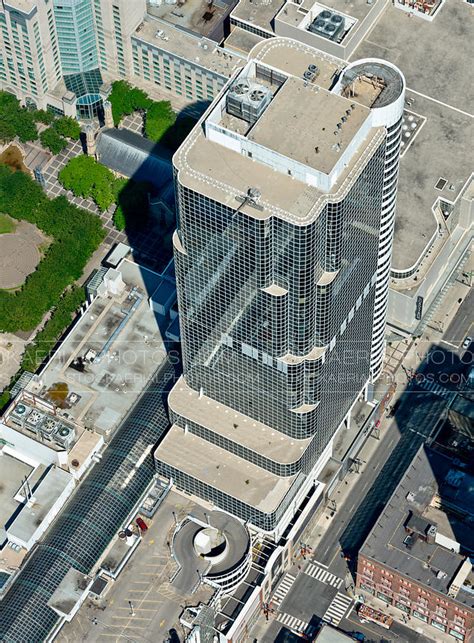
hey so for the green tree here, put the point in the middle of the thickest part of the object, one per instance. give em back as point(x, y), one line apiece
point(8, 102)
point(133, 205)
point(68, 127)
point(102, 194)
point(76, 234)
point(25, 126)
point(52, 140)
point(15, 117)
point(87, 178)
point(176, 134)
point(43, 116)
point(159, 119)
point(7, 130)
point(138, 99)
point(126, 99)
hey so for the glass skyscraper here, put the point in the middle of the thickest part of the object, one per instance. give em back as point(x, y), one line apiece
point(281, 190)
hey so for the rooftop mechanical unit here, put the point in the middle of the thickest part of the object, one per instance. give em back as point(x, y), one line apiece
point(34, 421)
point(247, 100)
point(64, 436)
point(328, 24)
point(20, 413)
point(49, 428)
point(311, 73)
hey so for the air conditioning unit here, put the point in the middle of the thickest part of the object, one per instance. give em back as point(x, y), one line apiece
point(64, 436)
point(247, 100)
point(20, 413)
point(49, 428)
point(328, 24)
point(34, 420)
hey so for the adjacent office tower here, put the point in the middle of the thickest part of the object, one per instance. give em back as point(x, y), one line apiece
point(55, 54)
point(284, 225)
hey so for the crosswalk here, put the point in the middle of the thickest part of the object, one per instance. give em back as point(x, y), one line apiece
point(437, 389)
point(323, 575)
point(283, 589)
point(338, 608)
point(296, 624)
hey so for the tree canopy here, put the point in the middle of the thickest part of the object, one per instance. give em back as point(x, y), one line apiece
point(126, 99)
point(132, 204)
point(15, 120)
point(159, 119)
point(68, 127)
point(43, 116)
point(76, 234)
point(52, 140)
point(87, 178)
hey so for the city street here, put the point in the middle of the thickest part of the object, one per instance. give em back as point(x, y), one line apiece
point(321, 585)
point(461, 325)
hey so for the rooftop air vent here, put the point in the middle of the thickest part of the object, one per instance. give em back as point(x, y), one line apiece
point(328, 24)
point(247, 100)
point(240, 88)
point(257, 95)
point(64, 436)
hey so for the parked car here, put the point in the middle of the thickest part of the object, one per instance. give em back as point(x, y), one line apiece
point(467, 342)
point(358, 636)
point(141, 524)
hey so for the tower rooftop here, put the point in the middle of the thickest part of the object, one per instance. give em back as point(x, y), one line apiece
point(322, 142)
point(312, 131)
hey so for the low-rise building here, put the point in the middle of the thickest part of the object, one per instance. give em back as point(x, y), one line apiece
point(415, 563)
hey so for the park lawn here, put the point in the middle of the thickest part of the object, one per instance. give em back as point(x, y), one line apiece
point(7, 224)
point(75, 235)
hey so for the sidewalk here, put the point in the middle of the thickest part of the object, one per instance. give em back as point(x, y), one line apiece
point(413, 623)
point(316, 531)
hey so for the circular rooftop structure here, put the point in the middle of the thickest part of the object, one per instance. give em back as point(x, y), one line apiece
point(213, 546)
point(384, 82)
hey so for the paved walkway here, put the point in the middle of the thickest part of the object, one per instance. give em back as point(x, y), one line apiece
point(148, 244)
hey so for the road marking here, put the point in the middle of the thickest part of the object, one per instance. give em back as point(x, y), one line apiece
point(316, 562)
point(444, 341)
point(437, 389)
point(296, 624)
point(337, 609)
point(322, 575)
point(418, 433)
point(283, 589)
point(434, 100)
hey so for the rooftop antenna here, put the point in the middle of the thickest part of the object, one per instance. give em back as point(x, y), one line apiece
point(251, 198)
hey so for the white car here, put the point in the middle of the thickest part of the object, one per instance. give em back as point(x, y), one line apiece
point(467, 342)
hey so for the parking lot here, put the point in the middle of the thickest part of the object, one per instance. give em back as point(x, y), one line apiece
point(141, 605)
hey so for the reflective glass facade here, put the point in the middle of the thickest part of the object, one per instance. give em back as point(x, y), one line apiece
point(75, 31)
point(276, 319)
point(90, 519)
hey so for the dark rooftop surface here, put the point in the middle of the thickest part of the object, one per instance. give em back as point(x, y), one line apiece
point(430, 475)
point(134, 156)
point(74, 541)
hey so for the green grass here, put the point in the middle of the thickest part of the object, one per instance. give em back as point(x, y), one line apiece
point(75, 235)
point(6, 224)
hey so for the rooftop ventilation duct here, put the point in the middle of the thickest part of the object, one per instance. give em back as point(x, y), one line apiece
point(328, 24)
point(247, 100)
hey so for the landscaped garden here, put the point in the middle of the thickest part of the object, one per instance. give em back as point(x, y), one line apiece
point(75, 235)
point(17, 121)
point(161, 123)
point(87, 178)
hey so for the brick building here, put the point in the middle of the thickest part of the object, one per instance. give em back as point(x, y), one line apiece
point(415, 561)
